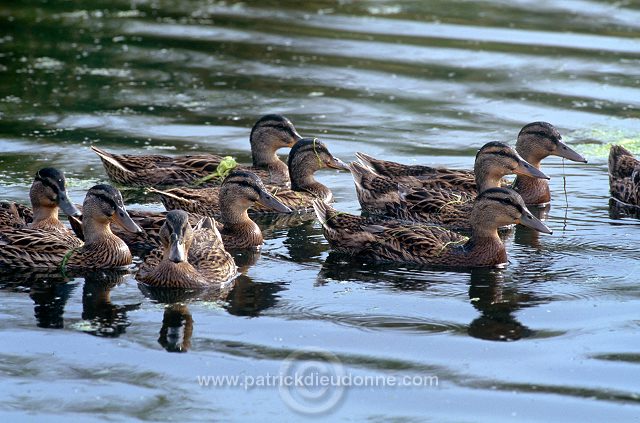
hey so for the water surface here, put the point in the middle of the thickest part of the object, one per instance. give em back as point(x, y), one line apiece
point(553, 334)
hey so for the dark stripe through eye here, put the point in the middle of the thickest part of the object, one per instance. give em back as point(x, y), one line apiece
point(46, 182)
point(107, 200)
point(247, 185)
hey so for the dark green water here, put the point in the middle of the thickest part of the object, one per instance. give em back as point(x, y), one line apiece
point(554, 336)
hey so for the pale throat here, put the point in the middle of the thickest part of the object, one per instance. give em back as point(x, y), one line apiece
point(45, 213)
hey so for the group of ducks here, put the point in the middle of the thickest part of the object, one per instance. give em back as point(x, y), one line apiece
point(413, 214)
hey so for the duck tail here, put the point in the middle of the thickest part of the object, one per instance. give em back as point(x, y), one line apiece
point(360, 172)
point(109, 158)
point(366, 159)
point(324, 213)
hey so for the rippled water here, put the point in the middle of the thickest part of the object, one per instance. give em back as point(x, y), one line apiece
point(414, 81)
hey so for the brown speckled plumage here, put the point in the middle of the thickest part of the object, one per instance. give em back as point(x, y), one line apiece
point(37, 248)
point(383, 195)
point(624, 175)
point(270, 133)
point(382, 241)
point(187, 258)
point(48, 194)
point(536, 141)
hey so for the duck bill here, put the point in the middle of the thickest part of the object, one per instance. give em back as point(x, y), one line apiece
point(566, 152)
point(530, 221)
point(296, 137)
point(526, 169)
point(122, 219)
point(271, 202)
point(338, 164)
point(67, 206)
point(177, 250)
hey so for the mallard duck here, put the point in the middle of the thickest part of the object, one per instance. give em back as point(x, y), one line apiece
point(270, 133)
point(306, 157)
point(48, 194)
point(382, 195)
point(188, 258)
point(37, 248)
point(624, 176)
point(536, 141)
point(229, 203)
point(430, 245)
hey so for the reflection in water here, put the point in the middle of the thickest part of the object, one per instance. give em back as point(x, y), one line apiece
point(49, 292)
point(249, 298)
point(619, 210)
point(497, 305)
point(104, 317)
point(177, 328)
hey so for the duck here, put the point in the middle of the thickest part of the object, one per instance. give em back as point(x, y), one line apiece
point(48, 194)
point(188, 257)
point(535, 142)
point(229, 203)
point(306, 157)
point(38, 248)
point(270, 133)
point(434, 205)
point(380, 241)
point(624, 176)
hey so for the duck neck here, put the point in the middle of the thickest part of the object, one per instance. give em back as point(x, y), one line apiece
point(486, 179)
point(265, 158)
point(532, 190)
point(236, 221)
point(303, 180)
point(96, 231)
point(45, 217)
point(485, 248)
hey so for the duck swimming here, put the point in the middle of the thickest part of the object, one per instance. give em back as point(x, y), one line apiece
point(431, 245)
point(187, 258)
point(269, 134)
point(48, 194)
point(37, 248)
point(382, 195)
point(230, 202)
point(536, 141)
point(306, 157)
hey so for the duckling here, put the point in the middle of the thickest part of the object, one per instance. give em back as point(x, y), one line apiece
point(240, 191)
point(431, 245)
point(189, 258)
point(270, 133)
point(624, 176)
point(37, 248)
point(48, 193)
point(382, 195)
point(306, 157)
point(536, 141)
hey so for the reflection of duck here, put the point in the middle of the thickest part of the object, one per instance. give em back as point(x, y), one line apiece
point(36, 248)
point(105, 318)
point(177, 328)
point(48, 193)
point(497, 322)
point(438, 204)
point(188, 257)
point(430, 245)
point(269, 134)
point(250, 298)
point(536, 141)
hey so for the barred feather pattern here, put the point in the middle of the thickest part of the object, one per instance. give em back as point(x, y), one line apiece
point(208, 264)
point(624, 175)
point(385, 241)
